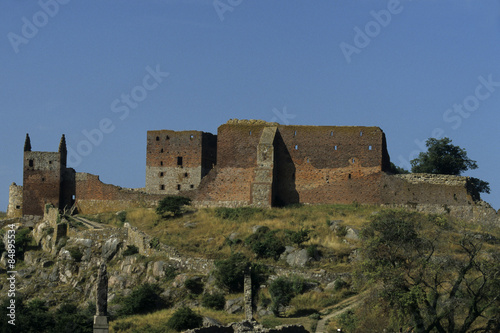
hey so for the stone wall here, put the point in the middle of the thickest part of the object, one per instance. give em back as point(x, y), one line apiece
point(15, 208)
point(93, 196)
point(177, 161)
point(429, 189)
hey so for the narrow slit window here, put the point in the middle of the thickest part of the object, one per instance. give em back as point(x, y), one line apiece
point(179, 160)
point(30, 163)
point(249, 132)
point(369, 147)
point(335, 147)
point(161, 163)
point(296, 147)
point(178, 187)
point(349, 176)
point(331, 133)
point(186, 175)
point(307, 160)
point(191, 136)
point(191, 186)
point(294, 133)
point(167, 138)
point(361, 133)
point(353, 160)
point(162, 187)
point(161, 151)
point(157, 138)
point(161, 174)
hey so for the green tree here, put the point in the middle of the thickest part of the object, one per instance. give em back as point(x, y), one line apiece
point(397, 170)
point(229, 273)
point(437, 285)
point(172, 205)
point(444, 158)
point(282, 291)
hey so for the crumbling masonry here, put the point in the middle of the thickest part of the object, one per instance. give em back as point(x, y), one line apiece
point(248, 163)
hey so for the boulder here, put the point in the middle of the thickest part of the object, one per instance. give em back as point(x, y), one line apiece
point(298, 258)
point(110, 248)
point(352, 234)
point(234, 305)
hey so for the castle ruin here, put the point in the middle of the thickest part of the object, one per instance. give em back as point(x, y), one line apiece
point(248, 163)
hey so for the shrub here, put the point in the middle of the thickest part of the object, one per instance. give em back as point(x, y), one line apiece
point(282, 291)
point(184, 319)
point(143, 299)
point(229, 273)
point(194, 285)
point(23, 239)
point(155, 243)
point(122, 216)
point(265, 244)
point(131, 249)
point(348, 321)
point(75, 253)
point(298, 237)
point(172, 205)
point(215, 301)
point(170, 273)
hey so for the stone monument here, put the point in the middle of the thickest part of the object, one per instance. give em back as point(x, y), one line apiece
point(101, 318)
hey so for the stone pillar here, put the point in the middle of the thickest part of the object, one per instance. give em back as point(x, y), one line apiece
point(247, 283)
point(100, 319)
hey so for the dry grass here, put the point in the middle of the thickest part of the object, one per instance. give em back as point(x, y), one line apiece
point(203, 233)
point(156, 321)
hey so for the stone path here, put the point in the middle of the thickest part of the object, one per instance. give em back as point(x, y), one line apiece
point(89, 224)
point(340, 308)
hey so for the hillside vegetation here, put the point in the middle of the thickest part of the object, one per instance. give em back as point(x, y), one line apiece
point(359, 267)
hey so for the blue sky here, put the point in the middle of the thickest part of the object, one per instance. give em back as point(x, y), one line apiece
point(84, 68)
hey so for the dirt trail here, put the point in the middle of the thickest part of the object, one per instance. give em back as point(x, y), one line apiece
point(340, 308)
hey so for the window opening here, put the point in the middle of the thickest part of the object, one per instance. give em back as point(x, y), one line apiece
point(191, 186)
point(179, 160)
point(349, 176)
point(296, 147)
point(30, 163)
point(369, 147)
point(335, 147)
point(295, 133)
point(191, 136)
point(167, 138)
point(157, 138)
point(161, 174)
point(161, 163)
point(161, 151)
point(250, 133)
point(361, 133)
point(162, 187)
point(331, 133)
point(186, 175)
point(178, 187)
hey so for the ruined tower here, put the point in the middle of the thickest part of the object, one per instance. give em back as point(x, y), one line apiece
point(177, 161)
point(44, 179)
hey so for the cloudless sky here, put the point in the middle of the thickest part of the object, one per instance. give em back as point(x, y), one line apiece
point(414, 68)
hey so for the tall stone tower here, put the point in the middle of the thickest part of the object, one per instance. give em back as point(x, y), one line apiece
point(43, 178)
point(177, 161)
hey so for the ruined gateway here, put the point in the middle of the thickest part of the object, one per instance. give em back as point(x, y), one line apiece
point(248, 163)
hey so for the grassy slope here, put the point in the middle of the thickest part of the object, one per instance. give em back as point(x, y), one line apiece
point(202, 233)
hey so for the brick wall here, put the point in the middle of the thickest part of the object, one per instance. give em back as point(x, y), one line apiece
point(176, 161)
point(93, 196)
point(41, 181)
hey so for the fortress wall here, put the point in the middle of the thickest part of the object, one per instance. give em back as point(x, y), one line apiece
point(93, 196)
point(41, 181)
point(176, 161)
point(333, 146)
point(237, 145)
point(15, 208)
point(426, 189)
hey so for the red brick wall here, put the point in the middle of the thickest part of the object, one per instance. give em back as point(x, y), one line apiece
point(41, 181)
